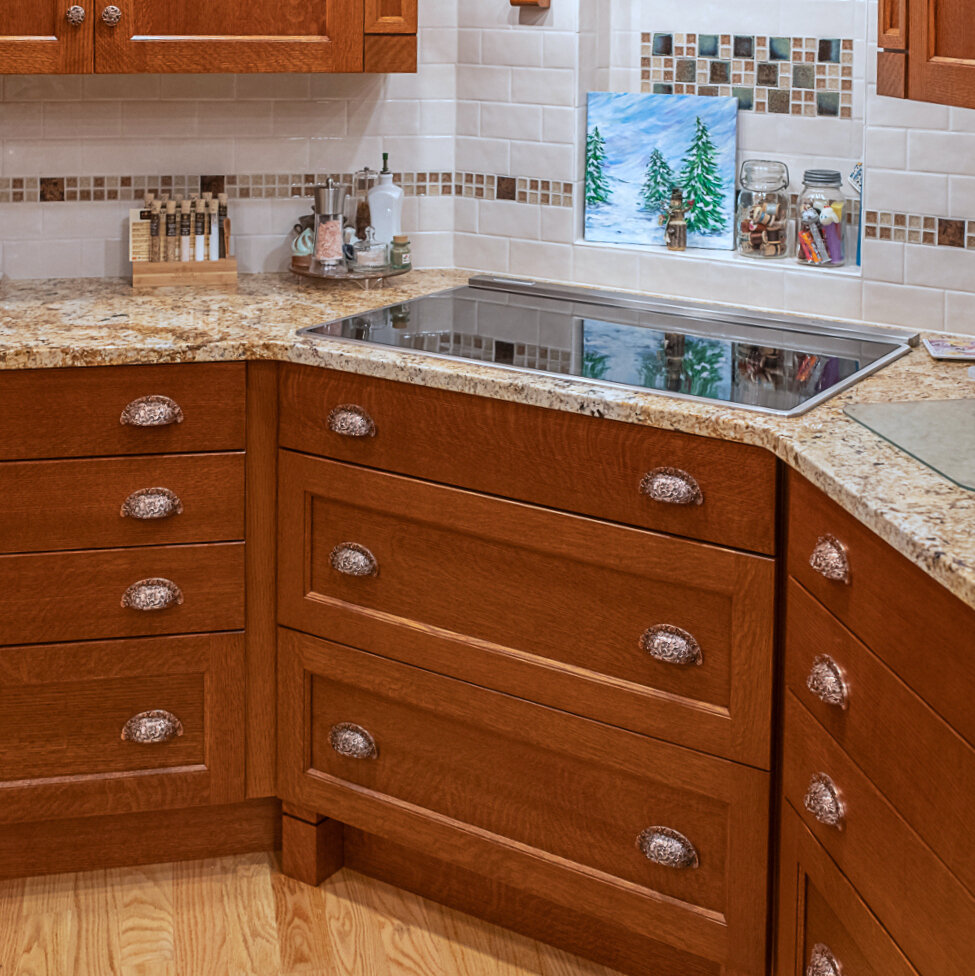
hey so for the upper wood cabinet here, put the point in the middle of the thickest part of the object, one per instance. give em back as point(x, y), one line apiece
point(927, 51)
point(173, 36)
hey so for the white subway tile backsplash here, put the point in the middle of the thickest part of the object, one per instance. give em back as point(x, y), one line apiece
point(500, 121)
point(514, 47)
point(503, 218)
point(940, 267)
point(941, 152)
point(960, 312)
point(478, 252)
point(905, 191)
point(918, 308)
point(543, 86)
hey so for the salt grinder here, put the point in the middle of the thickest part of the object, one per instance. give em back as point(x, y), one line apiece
point(329, 206)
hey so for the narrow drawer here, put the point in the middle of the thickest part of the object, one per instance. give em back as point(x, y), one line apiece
point(553, 458)
point(555, 803)
point(75, 739)
point(919, 763)
point(113, 502)
point(924, 907)
point(56, 413)
point(108, 593)
point(919, 630)
point(578, 614)
point(821, 918)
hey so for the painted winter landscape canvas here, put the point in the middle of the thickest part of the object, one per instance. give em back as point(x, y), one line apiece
point(641, 146)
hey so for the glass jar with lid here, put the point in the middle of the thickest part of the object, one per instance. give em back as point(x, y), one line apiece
point(763, 209)
point(820, 219)
point(370, 254)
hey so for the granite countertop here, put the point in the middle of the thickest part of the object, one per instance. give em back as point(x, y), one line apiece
point(93, 322)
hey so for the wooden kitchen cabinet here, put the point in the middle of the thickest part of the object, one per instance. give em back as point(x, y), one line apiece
point(148, 36)
point(927, 51)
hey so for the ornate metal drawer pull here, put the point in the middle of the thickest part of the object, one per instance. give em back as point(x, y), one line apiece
point(830, 559)
point(826, 682)
point(152, 503)
point(152, 594)
point(822, 962)
point(823, 801)
point(112, 15)
point(348, 420)
point(151, 411)
point(351, 559)
point(671, 486)
point(667, 847)
point(671, 645)
point(75, 15)
point(352, 741)
point(150, 728)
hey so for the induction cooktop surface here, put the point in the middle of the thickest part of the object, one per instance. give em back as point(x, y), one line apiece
point(781, 365)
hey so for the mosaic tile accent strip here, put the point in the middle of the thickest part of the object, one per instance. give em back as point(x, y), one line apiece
point(267, 186)
point(809, 76)
point(902, 228)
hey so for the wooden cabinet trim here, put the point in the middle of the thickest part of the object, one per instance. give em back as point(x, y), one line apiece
point(68, 51)
point(390, 16)
point(893, 28)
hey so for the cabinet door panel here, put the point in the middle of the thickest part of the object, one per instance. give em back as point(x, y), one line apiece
point(223, 36)
point(941, 58)
point(36, 38)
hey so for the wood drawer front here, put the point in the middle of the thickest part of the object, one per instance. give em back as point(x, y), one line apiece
point(78, 504)
point(562, 460)
point(920, 902)
point(900, 612)
point(526, 586)
point(67, 596)
point(53, 413)
point(919, 763)
point(64, 709)
point(819, 907)
point(554, 796)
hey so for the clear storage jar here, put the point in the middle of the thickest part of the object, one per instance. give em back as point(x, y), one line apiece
point(763, 209)
point(821, 219)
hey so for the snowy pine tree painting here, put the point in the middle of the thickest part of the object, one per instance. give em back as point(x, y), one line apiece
point(638, 147)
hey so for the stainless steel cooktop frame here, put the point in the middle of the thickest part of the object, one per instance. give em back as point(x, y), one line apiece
point(722, 317)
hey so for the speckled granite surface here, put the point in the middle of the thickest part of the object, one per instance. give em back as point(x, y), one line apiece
point(90, 322)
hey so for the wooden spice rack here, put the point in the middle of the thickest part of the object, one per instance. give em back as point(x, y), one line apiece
point(166, 274)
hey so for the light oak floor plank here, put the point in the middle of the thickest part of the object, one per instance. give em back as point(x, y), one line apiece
point(239, 916)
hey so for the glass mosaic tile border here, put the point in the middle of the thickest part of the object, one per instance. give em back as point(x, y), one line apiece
point(281, 186)
point(903, 228)
point(809, 76)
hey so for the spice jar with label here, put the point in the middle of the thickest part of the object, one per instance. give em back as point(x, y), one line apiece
point(820, 221)
point(763, 209)
point(370, 254)
point(400, 257)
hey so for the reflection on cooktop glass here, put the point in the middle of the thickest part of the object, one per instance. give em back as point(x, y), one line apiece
point(744, 363)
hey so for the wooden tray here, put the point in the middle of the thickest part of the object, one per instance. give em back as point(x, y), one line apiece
point(164, 274)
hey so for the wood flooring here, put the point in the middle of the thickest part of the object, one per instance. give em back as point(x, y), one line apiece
point(238, 916)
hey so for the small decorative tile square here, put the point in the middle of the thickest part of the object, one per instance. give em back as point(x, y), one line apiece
point(766, 74)
point(639, 148)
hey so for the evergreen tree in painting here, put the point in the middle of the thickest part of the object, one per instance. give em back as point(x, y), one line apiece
point(597, 186)
point(700, 179)
point(657, 183)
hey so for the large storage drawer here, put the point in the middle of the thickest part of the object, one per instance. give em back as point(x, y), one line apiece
point(822, 921)
point(551, 802)
point(562, 460)
point(108, 593)
point(75, 740)
point(54, 413)
point(919, 762)
point(583, 615)
point(109, 502)
point(926, 909)
point(919, 629)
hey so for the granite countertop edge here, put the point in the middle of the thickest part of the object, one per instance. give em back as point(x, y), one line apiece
point(924, 516)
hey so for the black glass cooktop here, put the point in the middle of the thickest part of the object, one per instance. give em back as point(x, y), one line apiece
point(775, 365)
